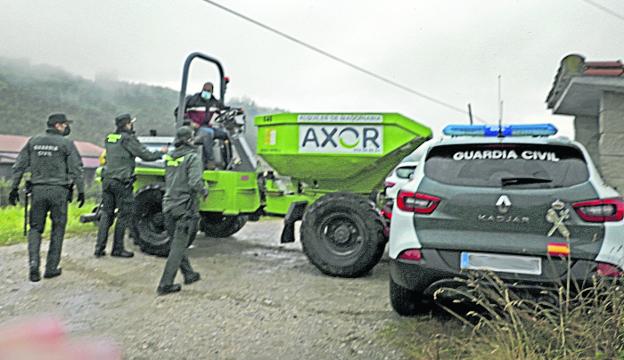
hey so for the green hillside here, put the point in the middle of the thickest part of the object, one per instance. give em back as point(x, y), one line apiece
point(28, 93)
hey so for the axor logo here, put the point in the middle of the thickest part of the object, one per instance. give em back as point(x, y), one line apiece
point(341, 139)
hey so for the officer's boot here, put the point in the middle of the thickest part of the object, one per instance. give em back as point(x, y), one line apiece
point(174, 260)
point(55, 249)
point(168, 289)
point(106, 220)
point(190, 276)
point(34, 244)
point(118, 240)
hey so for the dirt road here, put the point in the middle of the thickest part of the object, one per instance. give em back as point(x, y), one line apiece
point(257, 300)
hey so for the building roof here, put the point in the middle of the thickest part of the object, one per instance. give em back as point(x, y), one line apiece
point(14, 143)
point(578, 85)
point(574, 66)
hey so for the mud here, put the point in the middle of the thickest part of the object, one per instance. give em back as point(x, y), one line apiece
point(257, 300)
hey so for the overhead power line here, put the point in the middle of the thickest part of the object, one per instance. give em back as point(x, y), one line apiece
point(341, 60)
point(604, 9)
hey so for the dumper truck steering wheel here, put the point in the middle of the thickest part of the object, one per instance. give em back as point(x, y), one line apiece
point(227, 119)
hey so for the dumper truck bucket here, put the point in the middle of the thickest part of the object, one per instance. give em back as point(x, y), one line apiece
point(335, 151)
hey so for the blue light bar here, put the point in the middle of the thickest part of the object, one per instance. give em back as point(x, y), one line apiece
point(506, 130)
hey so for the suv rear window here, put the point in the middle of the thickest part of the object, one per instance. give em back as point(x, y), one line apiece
point(501, 165)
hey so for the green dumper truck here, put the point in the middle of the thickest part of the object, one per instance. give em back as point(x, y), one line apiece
point(320, 168)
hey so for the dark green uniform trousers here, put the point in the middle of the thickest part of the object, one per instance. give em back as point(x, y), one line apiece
point(115, 195)
point(52, 199)
point(180, 229)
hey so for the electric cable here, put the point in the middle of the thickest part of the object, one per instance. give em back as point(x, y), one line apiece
point(341, 60)
point(604, 9)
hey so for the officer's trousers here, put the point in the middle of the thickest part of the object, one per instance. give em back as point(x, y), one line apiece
point(52, 199)
point(115, 195)
point(207, 136)
point(180, 229)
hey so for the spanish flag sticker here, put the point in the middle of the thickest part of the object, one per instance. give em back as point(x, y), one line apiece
point(558, 249)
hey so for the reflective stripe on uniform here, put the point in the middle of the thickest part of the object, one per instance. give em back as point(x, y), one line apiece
point(113, 138)
point(173, 162)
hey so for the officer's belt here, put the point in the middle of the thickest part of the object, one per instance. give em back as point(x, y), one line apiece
point(124, 181)
point(66, 186)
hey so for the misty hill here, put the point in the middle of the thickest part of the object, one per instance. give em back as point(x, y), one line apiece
point(28, 93)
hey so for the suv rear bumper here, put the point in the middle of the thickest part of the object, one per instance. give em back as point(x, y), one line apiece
point(435, 272)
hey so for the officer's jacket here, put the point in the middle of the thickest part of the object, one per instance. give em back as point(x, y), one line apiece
point(183, 179)
point(52, 160)
point(121, 150)
point(196, 100)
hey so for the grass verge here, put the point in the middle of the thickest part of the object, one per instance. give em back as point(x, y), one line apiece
point(502, 323)
point(12, 223)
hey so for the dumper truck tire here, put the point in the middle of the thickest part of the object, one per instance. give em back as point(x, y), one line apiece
point(149, 225)
point(217, 225)
point(342, 235)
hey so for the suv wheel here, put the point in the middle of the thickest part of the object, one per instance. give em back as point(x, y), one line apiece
point(404, 301)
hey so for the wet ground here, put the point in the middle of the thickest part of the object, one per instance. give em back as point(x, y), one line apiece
point(257, 300)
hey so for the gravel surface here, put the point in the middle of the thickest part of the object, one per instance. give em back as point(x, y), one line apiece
point(257, 300)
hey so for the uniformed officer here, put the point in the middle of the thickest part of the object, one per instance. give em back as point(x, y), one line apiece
point(183, 178)
point(54, 164)
point(122, 147)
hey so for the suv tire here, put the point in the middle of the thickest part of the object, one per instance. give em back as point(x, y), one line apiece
point(342, 234)
point(404, 301)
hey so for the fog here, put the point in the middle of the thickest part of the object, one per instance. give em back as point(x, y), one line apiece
point(451, 50)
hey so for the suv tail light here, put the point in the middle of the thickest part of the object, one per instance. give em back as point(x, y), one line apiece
point(600, 210)
point(411, 254)
point(608, 270)
point(417, 202)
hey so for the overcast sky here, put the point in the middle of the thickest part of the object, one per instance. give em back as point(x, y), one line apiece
point(449, 49)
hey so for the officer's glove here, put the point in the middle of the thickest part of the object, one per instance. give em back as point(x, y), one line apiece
point(204, 194)
point(14, 196)
point(81, 199)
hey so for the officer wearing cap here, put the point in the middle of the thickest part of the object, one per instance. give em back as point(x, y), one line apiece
point(55, 165)
point(183, 179)
point(122, 147)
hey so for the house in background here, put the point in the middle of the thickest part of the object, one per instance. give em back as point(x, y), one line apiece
point(593, 92)
point(10, 146)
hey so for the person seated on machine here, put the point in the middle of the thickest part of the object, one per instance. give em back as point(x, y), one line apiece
point(200, 121)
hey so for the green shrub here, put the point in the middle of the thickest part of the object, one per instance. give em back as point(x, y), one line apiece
point(12, 224)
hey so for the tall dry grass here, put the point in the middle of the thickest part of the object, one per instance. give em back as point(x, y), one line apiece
point(568, 322)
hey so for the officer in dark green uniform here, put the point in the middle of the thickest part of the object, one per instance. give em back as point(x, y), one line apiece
point(54, 164)
point(183, 178)
point(122, 147)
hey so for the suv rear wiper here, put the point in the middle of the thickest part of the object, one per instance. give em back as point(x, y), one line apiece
point(523, 180)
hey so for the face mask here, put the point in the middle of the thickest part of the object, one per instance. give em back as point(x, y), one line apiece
point(66, 131)
point(206, 95)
